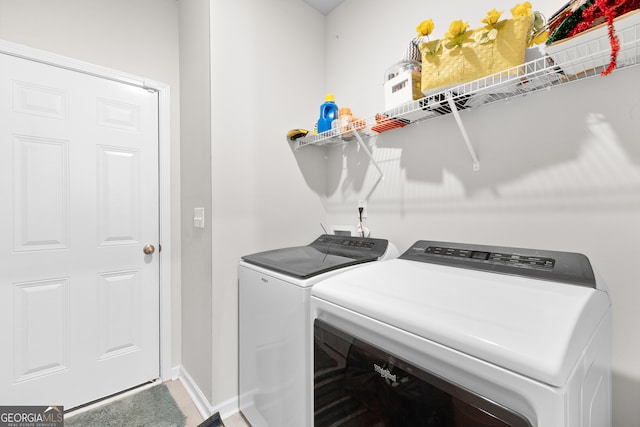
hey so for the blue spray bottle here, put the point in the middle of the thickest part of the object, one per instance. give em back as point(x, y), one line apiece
point(328, 113)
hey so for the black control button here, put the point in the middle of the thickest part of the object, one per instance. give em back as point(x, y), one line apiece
point(479, 255)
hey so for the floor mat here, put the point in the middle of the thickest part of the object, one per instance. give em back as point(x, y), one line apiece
point(153, 407)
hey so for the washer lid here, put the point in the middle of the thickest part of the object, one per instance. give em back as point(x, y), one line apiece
point(537, 328)
point(326, 253)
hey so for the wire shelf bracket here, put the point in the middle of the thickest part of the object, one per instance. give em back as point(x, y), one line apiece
point(366, 150)
point(463, 131)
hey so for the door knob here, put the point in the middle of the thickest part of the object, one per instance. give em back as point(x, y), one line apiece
point(148, 249)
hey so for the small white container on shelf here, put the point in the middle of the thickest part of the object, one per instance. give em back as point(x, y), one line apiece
point(402, 84)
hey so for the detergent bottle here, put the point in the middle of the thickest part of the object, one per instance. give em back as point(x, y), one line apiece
point(328, 113)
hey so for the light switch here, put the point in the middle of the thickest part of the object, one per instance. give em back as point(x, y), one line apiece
point(198, 217)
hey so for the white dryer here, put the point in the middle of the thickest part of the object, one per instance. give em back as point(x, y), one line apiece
point(274, 327)
point(463, 335)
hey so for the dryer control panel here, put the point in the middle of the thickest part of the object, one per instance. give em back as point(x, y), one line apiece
point(565, 267)
point(498, 258)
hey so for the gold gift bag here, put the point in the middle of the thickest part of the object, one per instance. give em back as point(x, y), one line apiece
point(444, 67)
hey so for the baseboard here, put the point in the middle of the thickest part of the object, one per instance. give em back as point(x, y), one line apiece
point(226, 409)
point(175, 372)
point(199, 399)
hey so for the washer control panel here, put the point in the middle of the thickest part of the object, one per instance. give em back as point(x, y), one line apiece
point(565, 267)
point(354, 242)
point(350, 246)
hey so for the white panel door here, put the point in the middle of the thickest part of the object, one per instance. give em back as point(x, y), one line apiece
point(79, 299)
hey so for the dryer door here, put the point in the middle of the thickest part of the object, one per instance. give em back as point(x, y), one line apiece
point(357, 384)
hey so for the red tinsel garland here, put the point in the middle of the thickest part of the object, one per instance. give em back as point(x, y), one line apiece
point(598, 9)
point(610, 13)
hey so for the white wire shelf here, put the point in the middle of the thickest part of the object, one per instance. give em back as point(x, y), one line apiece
point(583, 58)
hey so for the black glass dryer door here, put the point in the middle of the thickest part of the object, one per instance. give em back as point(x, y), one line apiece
point(359, 385)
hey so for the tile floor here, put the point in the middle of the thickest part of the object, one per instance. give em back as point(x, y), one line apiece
point(190, 411)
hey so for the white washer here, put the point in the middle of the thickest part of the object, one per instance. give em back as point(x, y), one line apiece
point(274, 329)
point(463, 335)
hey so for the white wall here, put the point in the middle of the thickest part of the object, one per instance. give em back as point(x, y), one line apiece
point(267, 77)
point(137, 37)
point(558, 170)
point(195, 133)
